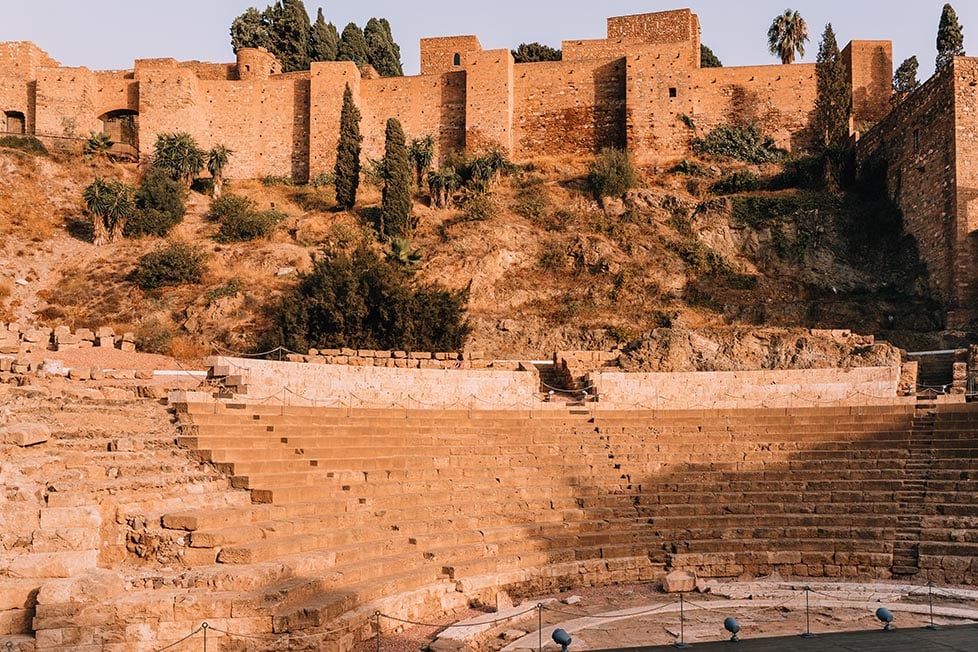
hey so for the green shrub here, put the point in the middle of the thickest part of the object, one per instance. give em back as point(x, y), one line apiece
point(248, 226)
point(98, 142)
point(175, 264)
point(700, 258)
point(760, 210)
point(230, 206)
point(479, 208)
point(612, 173)
point(314, 198)
point(229, 289)
point(28, 144)
point(740, 181)
point(360, 301)
point(160, 206)
point(323, 179)
point(742, 143)
point(691, 168)
point(154, 337)
point(553, 257)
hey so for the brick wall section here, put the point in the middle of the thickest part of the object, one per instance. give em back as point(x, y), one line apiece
point(721, 390)
point(677, 26)
point(916, 145)
point(489, 101)
point(965, 254)
point(870, 65)
point(69, 97)
point(20, 62)
point(438, 54)
point(426, 104)
point(327, 83)
point(568, 107)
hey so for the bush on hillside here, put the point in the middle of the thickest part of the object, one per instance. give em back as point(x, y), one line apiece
point(28, 144)
point(177, 263)
point(741, 143)
point(612, 173)
point(252, 225)
point(160, 206)
point(360, 301)
point(740, 181)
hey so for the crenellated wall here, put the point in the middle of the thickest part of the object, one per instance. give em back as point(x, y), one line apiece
point(637, 88)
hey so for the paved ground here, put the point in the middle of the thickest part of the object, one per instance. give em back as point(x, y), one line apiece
point(948, 639)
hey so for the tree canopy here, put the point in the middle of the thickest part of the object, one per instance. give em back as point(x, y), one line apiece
point(950, 37)
point(347, 169)
point(708, 59)
point(396, 201)
point(834, 101)
point(787, 35)
point(358, 300)
point(284, 29)
point(905, 79)
point(533, 52)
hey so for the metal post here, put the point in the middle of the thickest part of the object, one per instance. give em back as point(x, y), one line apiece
point(808, 619)
point(682, 624)
point(539, 627)
point(205, 626)
point(377, 616)
point(930, 600)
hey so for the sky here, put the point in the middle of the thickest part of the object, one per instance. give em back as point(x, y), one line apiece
point(111, 34)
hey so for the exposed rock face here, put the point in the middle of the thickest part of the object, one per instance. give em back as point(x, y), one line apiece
point(734, 349)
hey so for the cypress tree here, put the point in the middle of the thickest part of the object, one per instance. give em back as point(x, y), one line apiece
point(395, 48)
point(905, 80)
point(250, 30)
point(347, 170)
point(834, 101)
point(708, 59)
point(289, 30)
point(396, 202)
point(353, 45)
point(380, 49)
point(950, 37)
point(323, 39)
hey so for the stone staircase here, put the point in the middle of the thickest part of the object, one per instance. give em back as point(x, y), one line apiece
point(910, 500)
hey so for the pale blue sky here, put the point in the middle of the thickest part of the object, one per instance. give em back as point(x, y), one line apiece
point(110, 34)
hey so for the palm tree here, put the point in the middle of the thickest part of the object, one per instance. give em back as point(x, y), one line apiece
point(217, 160)
point(422, 153)
point(787, 35)
point(442, 185)
point(179, 156)
point(111, 204)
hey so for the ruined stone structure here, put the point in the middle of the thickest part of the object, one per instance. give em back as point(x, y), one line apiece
point(924, 151)
point(640, 88)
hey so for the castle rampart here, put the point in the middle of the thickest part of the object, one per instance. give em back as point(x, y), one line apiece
point(631, 89)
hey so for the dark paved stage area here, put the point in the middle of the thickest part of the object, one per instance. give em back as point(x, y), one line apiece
point(948, 639)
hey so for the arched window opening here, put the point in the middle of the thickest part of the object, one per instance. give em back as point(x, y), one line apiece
point(458, 60)
point(122, 127)
point(14, 123)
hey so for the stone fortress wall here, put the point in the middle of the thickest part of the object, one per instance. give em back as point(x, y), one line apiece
point(630, 89)
point(641, 88)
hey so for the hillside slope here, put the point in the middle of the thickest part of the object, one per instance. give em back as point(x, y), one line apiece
point(548, 267)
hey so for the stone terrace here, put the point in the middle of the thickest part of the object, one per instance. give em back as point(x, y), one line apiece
point(268, 519)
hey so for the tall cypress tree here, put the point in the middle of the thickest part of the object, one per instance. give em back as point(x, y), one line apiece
point(396, 202)
point(834, 102)
point(905, 80)
point(950, 37)
point(347, 170)
point(323, 39)
point(250, 30)
point(353, 46)
point(289, 29)
point(380, 49)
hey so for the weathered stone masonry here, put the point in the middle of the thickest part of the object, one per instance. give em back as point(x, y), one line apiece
point(631, 89)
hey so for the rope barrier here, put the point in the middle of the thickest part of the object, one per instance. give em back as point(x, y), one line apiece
point(456, 625)
point(185, 638)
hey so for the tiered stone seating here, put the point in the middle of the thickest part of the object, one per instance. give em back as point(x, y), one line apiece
point(368, 505)
point(947, 464)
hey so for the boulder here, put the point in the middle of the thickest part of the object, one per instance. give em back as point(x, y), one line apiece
point(679, 581)
point(25, 434)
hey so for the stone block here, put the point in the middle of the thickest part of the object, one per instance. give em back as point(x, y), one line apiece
point(16, 621)
point(6, 363)
point(66, 539)
point(144, 374)
point(53, 564)
point(420, 355)
point(85, 334)
point(80, 373)
point(70, 517)
point(37, 336)
point(128, 336)
point(118, 394)
point(128, 347)
point(679, 581)
point(350, 353)
point(400, 354)
point(104, 331)
point(25, 434)
point(94, 586)
point(106, 342)
point(98, 374)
